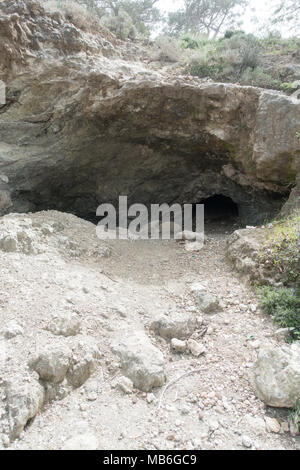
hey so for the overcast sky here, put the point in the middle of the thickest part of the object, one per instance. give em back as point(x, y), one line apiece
point(262, 11)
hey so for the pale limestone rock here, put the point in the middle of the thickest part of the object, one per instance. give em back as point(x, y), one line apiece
point(178, 325)
point(65, 324)
point(24, 399)
point(208, 303)
point(178, 345)
point(272, 425)
point(275, 376)
point(195, 348)
point(125, 384)
point(52, 363)
point(141, 362)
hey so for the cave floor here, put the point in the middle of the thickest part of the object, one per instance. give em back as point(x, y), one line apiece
point(213, 409)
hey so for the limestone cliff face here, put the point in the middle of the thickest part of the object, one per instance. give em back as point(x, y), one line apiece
point(83, 124)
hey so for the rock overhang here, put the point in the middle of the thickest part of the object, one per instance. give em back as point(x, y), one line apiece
point(79, 130)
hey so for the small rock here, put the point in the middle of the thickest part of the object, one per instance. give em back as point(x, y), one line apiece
point(142, 362)
point(208, 303)
point(179, 325)
point(65, 324)
point(272, 425)
point(125, 384)
point(178, 345)
point(256, 424)
point(197, 287)
point(196, 348)
point(150, 398)
point(246, 441)
point(52, 363)
point(284, 427)
point(194, 246)
point(92, 396)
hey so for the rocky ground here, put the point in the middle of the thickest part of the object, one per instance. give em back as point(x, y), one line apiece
point(106, 345)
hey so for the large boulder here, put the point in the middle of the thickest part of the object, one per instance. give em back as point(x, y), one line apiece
point(179, 325)
point(64, 366)
point(275, 376)
point(141, 362)
point(52, 363)
point(24, 397)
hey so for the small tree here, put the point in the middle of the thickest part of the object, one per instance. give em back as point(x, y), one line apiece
point(208, 17)
point(288, 12)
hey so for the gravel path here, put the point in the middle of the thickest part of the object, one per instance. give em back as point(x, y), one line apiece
point(210, 406)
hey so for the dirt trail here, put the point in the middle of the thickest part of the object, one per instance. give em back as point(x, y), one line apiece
point(212, 409)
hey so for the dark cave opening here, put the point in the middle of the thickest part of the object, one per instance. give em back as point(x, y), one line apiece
point(218, 208)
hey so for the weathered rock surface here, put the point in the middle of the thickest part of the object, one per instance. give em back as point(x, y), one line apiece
point(195, 348)
point(267, 254)
point(65, 324)
point(178, 325)
point(68, 365)
point(52, 363)
point(142, 362)
point(24, 397)
point(178, 345)
point(276, 376)
point(180, 140)
point(49, 232)
point(125, 384)
point(208, 303)
point(243, 250)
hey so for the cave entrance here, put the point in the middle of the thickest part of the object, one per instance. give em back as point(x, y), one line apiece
point(220, 208)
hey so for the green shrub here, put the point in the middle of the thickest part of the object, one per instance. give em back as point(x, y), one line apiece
point(232, 32)
point(190, 42)
point(258, 77)
point(287, 87)
point(250, 50)
point(282, 247)
point(284, 305)
point(294, 416)
point(203, 71)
